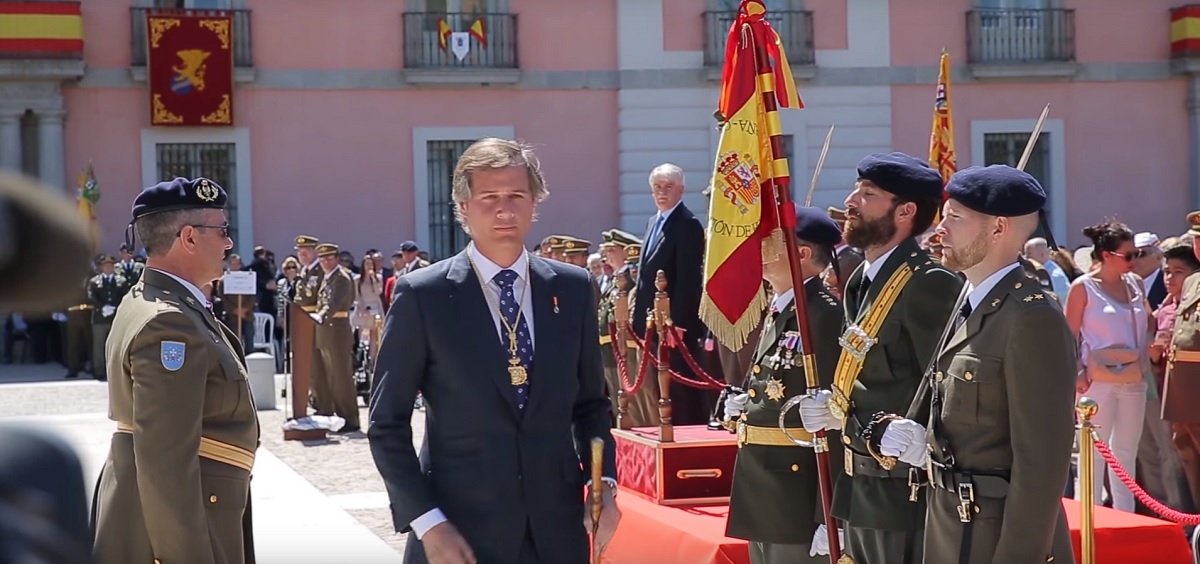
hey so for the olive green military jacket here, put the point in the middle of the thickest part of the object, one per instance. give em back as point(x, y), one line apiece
point(891, 372)
point(1006, 387)
point(775, 497)
point(307, 285)
point(606, 313)
point(336, 295)
point(1181, 386)
point(175, 487)
point(101, 293)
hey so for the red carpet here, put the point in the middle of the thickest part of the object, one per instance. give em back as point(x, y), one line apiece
point(652, 533)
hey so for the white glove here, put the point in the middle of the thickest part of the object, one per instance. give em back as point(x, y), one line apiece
point(107, 311)
point(735, 405)
point(814, 412)
point(820, 542)
point(905, 439)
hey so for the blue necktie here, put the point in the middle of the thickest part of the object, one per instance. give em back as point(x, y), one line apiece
point(510, 308)
point(656, 232)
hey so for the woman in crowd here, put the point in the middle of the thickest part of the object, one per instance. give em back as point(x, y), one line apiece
point(285, 292)
point(1108, 312)
point(368, 303)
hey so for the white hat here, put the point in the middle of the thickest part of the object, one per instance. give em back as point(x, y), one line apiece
point(1145, 239)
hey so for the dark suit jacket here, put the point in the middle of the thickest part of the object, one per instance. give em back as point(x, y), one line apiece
point(1158, 291)
point(679, 253)
point(775, 497)
point(489, 467)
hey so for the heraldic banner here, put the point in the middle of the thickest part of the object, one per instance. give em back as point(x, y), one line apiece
point(190, 60)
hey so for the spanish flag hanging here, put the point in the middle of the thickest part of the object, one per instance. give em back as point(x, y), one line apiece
point(41, 29)
point(743, 221)
point(478, 30)
point(444, 32)
point(190, 68)
point(941, 135)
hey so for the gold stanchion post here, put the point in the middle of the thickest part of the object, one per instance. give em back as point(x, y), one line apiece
point(661, 317)
point(1087, 408)
point(621, 315)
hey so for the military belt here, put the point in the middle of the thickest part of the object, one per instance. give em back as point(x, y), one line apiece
point(990, 485)
point(769, 436)
point(213, 449)
point(863, 465)
point(1185, 356)
point(857, 341)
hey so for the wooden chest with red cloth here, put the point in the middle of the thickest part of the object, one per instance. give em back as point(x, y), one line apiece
point(696, 469)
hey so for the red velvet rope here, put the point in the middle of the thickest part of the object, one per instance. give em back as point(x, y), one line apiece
point(706, 381)
point(623, 365)
point(1150, 503)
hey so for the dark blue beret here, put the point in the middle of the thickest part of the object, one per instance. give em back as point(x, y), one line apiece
point(409, 247)
point(998, 190)
point(905, 176)
point(179, 194)
point(815, 226)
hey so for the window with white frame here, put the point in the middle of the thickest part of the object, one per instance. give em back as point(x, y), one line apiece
point(446, 236)
point(214, 161)
point(1007, 148)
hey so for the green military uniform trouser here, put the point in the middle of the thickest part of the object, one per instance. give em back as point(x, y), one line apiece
point(333, 378)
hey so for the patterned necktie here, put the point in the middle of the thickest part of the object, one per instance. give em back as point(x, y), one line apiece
point(511, 310)
point(656, 232)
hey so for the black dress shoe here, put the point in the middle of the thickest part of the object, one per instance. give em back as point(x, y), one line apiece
point(71, 375)
point(347, 430)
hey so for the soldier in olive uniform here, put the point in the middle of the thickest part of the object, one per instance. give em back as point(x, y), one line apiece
point(1181, 384)
point(334, 339)
point(897, 303)
point(307, 283)
point(1000, 402)
point(105, 291)
point(575, 251)
point(775, 502)
point(642, 409)
point(78, 341)
point(129, 268)
point(176, 485)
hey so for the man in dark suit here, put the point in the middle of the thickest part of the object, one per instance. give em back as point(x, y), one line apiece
point(1149, 264)
point(674, 244)
point(505, 350)
point(775, 502)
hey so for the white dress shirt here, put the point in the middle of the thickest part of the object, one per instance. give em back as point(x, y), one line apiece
point(977, 293)
point(872, 267)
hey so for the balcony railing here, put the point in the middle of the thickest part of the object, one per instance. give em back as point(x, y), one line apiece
point(242, 53)
point(428, 43)
point(1003, 36)
point(795, 29)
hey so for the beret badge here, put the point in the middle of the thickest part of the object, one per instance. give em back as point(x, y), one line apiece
point(207, 191)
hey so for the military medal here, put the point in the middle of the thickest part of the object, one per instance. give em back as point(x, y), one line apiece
point(774, 389)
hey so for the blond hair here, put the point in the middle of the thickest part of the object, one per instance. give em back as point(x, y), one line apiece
point(491, 153)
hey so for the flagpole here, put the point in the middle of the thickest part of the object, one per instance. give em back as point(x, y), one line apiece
point(786, 208)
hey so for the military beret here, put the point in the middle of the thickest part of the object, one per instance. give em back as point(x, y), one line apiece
point(1193, 220)
point(814, 226)
point(327, 249)
point(998, 190)
point(633, 253)
point(905, 176)
point(179, 194)
point(306, 241)
point(409, 247)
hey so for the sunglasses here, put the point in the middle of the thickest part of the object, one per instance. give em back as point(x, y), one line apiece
point(225, 228)
point(1131, 255)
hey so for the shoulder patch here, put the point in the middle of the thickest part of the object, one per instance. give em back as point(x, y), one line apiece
point(172, 354)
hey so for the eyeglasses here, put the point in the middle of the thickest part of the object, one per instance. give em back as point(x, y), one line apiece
point(1131, 255)
point(223, 227)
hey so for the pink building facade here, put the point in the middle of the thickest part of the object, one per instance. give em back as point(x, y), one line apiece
point(349, 117)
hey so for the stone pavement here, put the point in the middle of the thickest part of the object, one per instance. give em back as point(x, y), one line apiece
point(314, 501)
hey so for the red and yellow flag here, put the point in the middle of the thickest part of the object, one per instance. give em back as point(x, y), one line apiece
point(40, 29)
point(478, 30)
point(443, 33)
point(941, 136)
point(743, 219)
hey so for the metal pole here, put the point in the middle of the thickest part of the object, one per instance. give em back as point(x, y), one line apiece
point(1087, 408)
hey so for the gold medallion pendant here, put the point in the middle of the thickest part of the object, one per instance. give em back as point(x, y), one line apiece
point(774, 389)
point(516, 373)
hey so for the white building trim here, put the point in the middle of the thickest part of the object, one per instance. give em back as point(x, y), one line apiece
point(240, 138)
point(1058, 161)
point(420, 165)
